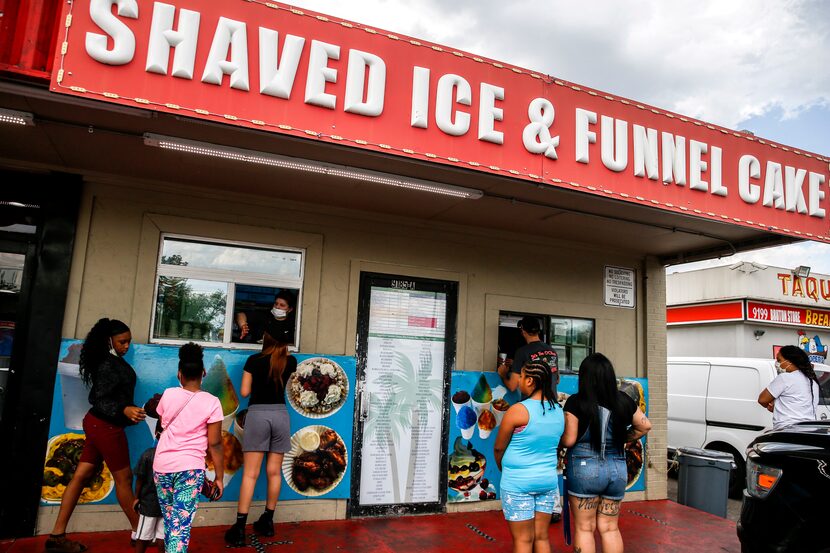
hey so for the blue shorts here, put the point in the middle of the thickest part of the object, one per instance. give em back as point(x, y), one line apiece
point(518, 506)
point(588, 476)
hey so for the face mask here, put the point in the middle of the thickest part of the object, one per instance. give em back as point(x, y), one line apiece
point(779, 368)
point(112, 349)
point(279, 313)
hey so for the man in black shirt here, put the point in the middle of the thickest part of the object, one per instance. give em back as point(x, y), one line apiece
point(534, 350)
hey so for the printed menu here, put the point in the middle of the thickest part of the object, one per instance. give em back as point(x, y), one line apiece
point(404, 383)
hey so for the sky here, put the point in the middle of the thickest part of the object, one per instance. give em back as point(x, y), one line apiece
point(743, 64)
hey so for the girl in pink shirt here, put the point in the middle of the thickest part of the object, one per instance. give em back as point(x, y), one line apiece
point(191, 419)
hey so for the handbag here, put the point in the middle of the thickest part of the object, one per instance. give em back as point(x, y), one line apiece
point(210, 490)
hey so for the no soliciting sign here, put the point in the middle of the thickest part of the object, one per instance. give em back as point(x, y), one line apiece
point(619, 287)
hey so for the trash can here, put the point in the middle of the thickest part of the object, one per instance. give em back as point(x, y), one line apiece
point(703, 482)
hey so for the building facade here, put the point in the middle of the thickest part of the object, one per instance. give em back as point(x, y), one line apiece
point(747, 310)
point(176, 166)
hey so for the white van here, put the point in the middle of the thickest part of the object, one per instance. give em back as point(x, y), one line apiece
point(713, 403)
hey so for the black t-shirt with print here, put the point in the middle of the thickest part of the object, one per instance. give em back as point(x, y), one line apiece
point(534, 351)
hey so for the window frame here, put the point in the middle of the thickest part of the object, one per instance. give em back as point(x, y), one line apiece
point(547, 332)
point(231, 278)
point(591, 347)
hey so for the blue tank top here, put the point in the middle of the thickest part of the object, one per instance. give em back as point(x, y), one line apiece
point(529, 464)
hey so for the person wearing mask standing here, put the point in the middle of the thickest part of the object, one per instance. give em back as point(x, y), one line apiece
point(793, 395)
point(111, 381)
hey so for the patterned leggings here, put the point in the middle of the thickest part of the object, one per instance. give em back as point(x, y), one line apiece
point(178, 497)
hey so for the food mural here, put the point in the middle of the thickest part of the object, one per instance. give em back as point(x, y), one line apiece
point(479, 401)
point(319, 395)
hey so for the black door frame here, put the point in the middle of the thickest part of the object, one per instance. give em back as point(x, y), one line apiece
point(28, 408)
point(367, 281)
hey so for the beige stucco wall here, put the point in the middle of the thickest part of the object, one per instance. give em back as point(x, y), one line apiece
point(113, 274)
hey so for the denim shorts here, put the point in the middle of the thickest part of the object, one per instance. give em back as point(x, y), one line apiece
point(588, 476)
point(519, 506)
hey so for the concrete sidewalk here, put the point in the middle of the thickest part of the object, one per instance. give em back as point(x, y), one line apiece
point(647, 526)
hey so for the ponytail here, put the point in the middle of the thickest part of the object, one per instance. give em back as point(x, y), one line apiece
point(278, 353)
point(97, 346)
point(801, 360)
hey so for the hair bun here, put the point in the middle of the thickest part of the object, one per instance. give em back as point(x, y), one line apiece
point(191, 353)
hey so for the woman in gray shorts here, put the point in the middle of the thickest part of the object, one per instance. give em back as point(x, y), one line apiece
point(266, 429)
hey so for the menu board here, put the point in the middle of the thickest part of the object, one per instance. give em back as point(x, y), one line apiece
point(404, 384)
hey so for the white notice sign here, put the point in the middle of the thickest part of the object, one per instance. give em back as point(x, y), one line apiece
point(619, 287)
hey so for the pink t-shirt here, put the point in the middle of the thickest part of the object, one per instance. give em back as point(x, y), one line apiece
point(184, 443)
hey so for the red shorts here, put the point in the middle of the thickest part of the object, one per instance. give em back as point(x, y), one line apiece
point(105, 441)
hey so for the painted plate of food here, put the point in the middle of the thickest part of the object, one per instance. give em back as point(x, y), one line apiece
point(62, 455)
point(232, 453)
point(633, 461)
point(317, 461)
point(318, 388)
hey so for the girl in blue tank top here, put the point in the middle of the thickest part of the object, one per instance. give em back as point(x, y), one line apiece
point(525, 452)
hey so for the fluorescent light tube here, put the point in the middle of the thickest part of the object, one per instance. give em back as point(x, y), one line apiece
point(298, 164)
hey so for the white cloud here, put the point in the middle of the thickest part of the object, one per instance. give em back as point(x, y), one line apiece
point(720, 61)
point(723, 62)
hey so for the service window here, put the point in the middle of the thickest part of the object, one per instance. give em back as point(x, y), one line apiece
point(215, 292)
point(572, 339)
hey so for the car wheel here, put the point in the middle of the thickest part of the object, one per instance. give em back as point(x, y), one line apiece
point(737, 478)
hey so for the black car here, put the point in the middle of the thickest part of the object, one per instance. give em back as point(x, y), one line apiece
point(787, 492)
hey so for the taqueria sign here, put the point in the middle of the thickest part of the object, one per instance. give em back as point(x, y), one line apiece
point(276, 68)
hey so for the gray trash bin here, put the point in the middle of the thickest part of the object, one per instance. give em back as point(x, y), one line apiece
point(703, 482)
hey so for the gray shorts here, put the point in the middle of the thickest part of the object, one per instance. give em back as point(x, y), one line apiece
point(267, 429)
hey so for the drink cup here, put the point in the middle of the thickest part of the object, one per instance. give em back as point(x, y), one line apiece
point(460, 399)
point(74, 395)
point(502, 358)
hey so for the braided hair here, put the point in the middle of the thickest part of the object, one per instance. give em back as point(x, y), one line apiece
point(539, 372)
point(801, 360)
point(97, 346)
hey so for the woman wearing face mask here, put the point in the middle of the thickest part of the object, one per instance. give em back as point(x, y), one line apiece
point(251, 329)
point(793, 395)
point(111, 381)
point(267, 431)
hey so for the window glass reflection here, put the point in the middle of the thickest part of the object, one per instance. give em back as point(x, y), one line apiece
point(231, 258)
point(190, 309)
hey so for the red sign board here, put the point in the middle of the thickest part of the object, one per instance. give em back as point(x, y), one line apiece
point(272, 67)
point(706, 313)
point(787, 314)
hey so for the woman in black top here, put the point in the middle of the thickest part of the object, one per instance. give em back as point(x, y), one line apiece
point(112, 383)
point(266, 428)
point(599, 421)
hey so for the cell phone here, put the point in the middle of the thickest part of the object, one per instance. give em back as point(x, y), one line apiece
point(214, 492)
